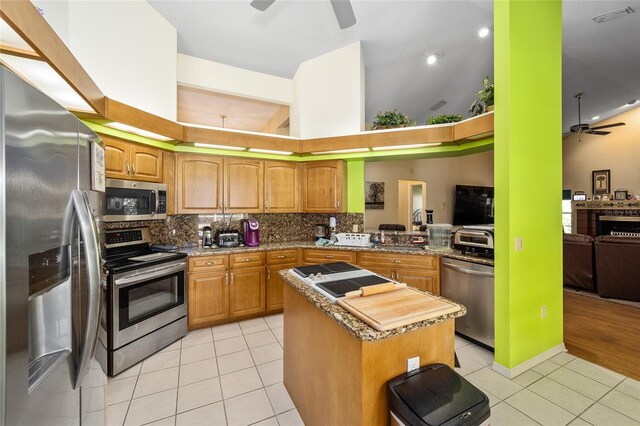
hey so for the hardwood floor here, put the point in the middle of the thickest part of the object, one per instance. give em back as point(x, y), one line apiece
point(603, 331)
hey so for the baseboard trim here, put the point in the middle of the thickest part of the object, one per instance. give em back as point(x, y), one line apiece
point(510, 373)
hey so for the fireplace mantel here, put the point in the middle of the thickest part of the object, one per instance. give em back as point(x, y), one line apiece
point(586, 213)
point(607, 205)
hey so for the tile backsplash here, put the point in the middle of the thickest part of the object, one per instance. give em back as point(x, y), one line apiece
point(182, 230)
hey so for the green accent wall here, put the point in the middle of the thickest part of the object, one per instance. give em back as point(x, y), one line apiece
point(355, 186)
point(528, 178)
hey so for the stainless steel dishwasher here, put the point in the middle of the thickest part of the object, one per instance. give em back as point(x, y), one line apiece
point(472, 285)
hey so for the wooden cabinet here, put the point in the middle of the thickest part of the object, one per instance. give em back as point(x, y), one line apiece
point(169, 178)
point(208, 290)
point(247, 284)
point(281, 187)
point(243, 186)
point(198, 184)
point(315, 256)
point(276, 261)
point(124, 160)
point(322, 187)
point(422, 272)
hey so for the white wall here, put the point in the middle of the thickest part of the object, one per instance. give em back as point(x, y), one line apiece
point(127, 48)
point(441, 175)
point(329, 94)
point(618, 151)
point(220, 78)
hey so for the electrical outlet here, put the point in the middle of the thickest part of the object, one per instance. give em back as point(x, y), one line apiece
point(413, 364)
point(519, 244)
point(543, 311)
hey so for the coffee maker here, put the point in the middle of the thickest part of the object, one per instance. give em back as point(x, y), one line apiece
point(207, 237)
point(251, 232)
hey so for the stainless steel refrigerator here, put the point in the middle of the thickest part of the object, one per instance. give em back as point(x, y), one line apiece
point(51, 274)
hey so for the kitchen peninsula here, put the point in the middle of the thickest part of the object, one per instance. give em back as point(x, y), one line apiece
point(336, 367)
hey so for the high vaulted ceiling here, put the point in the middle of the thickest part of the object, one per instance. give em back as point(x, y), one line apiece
point(601, 60)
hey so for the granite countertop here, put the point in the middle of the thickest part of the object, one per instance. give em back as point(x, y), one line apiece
point(454, 254)
point(353, 324)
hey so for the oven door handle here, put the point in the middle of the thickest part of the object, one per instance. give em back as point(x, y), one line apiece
point(89, 233)
point(144, 276)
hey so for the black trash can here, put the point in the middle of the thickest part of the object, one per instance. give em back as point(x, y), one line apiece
point(436, 395)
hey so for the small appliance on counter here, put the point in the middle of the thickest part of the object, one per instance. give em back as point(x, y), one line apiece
point(476, 239)
point(322, 231)
point(227, 238)
point(251, 232)
point(207, 237)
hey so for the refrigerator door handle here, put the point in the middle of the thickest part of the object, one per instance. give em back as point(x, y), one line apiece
point(89, 233)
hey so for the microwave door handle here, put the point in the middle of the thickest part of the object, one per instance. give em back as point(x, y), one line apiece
point(153, 205)
point(89, 233)
point(157, 201)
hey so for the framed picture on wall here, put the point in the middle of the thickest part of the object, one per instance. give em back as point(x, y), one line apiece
point(600, 181)
point(374, 195)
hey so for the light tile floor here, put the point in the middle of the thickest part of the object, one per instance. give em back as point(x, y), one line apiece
point(232, 375)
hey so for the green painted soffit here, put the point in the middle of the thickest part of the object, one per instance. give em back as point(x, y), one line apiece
point(452, 150)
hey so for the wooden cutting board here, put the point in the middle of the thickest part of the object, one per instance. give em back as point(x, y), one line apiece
point(385, 311)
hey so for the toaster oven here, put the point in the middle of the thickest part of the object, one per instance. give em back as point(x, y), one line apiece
point(227, 238)
point(475, 239)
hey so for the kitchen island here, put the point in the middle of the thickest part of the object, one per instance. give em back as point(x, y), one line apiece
point(336, 366)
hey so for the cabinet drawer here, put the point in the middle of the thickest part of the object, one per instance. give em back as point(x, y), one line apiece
point(399, 261)
point(246, 260)
point(278, 257)
point(208, 263)
point(325, 256)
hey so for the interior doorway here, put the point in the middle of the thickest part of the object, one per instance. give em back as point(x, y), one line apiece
point(412, 203)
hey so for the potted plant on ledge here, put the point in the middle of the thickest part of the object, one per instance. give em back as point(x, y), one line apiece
point(484, 101)
point(444, 118)
point(391, 119)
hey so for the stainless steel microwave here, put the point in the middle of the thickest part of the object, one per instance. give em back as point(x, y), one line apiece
point(129, 200)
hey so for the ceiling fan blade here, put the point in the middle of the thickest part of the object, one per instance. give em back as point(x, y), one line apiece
point(262, 5)
point(344, 13)
point(596, 132)
point(607, 126)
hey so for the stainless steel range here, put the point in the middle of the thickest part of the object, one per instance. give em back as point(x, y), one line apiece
point(147, 307)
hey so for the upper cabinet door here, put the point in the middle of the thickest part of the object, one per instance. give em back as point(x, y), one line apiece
point(124, 160)
point(146, 163)
point(281, 187)
point(198, 184)
point(117, 164)
point(243, 187)
point(322, 187)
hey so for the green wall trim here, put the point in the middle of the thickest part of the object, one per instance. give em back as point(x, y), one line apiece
point(528, 179)
point(355, 186)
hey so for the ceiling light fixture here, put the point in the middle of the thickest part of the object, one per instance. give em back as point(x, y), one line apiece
point(432, 59)
point(484, 31)
point(270, 151)
point(613, 15)
point(392, 147)
point(595, 117)
point(341, 151)
point(632, 101)
point(140, 132)
point(214, 146)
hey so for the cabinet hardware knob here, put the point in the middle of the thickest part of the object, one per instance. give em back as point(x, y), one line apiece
point(133, 169)
point(328, 256)
point(209, 263)
point(282, 256)
point(128, 169)
point(268, 274)
point(231, 278)
point(226, 278)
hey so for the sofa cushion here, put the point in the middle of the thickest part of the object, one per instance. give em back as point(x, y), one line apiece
point(618, 267)
point(577, 261)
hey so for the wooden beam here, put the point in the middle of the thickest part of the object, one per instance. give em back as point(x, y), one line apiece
point(22, 53)
point(25, 20)
point(232, 138)
point(126, 114)
point(475, 128)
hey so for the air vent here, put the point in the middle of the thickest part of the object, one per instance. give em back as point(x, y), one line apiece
point(613, 15)
point(438, 105)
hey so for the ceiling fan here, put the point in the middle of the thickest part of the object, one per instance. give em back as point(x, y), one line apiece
point(584, 128)
point(342, 9)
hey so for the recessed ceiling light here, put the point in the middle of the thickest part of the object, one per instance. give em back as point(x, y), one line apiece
point(595, 117)
point(632, 101)
point(432, 59)
point(484, 31)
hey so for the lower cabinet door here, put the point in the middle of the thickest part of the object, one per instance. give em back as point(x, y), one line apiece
point(246, 291)
point(275, 283)
point(387, 273)
point(208, 298)
point(423, 280)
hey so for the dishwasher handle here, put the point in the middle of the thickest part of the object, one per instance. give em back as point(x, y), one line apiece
point(467, 270)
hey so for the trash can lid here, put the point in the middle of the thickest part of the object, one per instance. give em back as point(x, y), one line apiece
point(436, 394)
